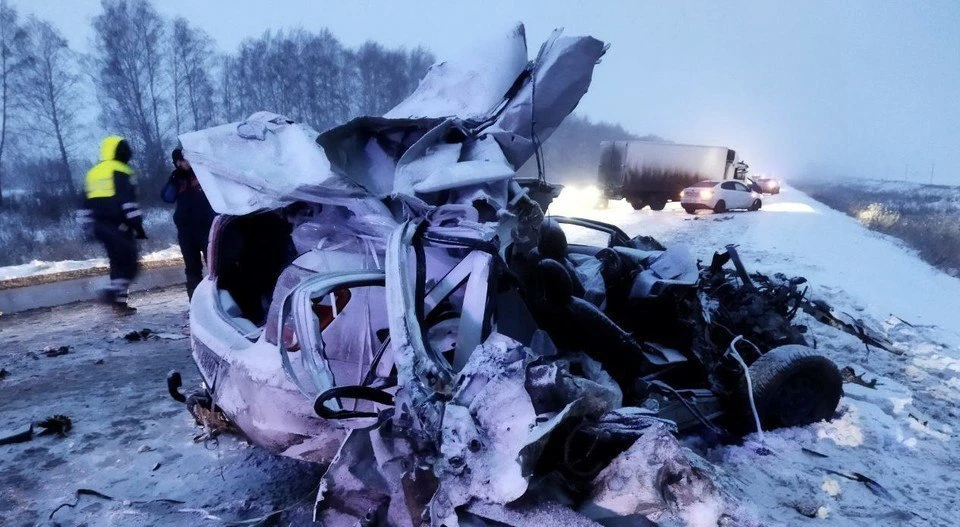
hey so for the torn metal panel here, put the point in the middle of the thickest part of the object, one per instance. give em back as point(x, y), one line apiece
point(560, 76)
point(824, 314)
point(258, 163)
point(469, 86)
point(654, 481)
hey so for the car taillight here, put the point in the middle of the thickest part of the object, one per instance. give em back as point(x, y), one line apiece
point(289, 336)
point(329, 306)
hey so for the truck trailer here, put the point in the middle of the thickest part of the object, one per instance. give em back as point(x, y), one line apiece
point(652, 173)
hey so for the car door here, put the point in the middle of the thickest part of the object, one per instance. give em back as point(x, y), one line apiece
point(744, 195)
point(729, 194)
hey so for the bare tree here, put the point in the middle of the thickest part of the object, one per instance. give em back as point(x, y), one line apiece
point(177, 84)
point(384, 77)
point(312, 78)
point(230, 107)
point(50, 91)
point(192, 52)
point(11, 44)
point(326, 79)
point(130, 77)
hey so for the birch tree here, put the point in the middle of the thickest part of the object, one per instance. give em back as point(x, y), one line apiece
point(131, 80)
point(50, 92)
point(11, 43)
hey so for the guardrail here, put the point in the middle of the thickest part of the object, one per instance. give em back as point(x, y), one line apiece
point(55, 289)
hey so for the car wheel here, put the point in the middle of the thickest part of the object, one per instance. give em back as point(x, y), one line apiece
point(658, 203)
point(793, 385)
point(690, 210)
point(637, 205)
point(721, 206)
point(756, 205)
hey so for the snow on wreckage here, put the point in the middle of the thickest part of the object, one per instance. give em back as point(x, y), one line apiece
point(388, 298)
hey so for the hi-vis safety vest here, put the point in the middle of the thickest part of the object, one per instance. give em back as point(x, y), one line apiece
point(99, 182)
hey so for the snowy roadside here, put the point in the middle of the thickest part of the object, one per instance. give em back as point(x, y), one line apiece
point(39, 268)
point(130, 441)
point(901, 433)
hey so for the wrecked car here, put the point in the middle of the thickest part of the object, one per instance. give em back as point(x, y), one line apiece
point(387, 297)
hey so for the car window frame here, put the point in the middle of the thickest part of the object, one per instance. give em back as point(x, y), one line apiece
point(298, 304)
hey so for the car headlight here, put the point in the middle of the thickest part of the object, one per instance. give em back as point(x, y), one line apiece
point(706, 193)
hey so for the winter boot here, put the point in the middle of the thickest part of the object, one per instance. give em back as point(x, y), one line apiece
point(123, 309)
point(120, 306)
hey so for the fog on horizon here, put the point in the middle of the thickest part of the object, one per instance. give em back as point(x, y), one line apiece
point(850, 89)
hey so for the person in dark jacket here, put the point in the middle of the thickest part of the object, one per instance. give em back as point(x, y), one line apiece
point(193, 217)
point(111, 215)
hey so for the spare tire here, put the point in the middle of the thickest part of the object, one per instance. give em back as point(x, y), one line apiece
point(793, 385)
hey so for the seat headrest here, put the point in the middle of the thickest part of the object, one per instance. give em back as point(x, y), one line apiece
point(553, 241)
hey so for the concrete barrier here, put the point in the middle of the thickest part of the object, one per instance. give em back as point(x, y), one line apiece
point(75, 286)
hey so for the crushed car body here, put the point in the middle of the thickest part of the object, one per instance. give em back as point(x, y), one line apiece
point(388, 298)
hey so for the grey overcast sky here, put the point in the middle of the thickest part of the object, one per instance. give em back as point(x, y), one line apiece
point(848, 88)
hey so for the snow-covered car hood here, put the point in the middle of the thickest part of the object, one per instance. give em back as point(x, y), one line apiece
point(468, 127)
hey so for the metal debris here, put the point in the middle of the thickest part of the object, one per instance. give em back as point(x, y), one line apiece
point(55, 425)
point(138, 335)
point(58, 424)
point(19, 437)
point(56, 352)
point(849, 375)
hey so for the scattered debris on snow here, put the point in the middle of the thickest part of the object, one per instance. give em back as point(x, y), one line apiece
point(56, 352)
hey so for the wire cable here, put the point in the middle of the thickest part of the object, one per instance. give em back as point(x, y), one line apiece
point(746, 374)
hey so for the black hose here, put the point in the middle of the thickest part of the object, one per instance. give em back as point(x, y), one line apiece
point(690, 407)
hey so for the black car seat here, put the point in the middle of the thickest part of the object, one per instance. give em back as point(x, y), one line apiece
point(553, 246)
point(574, 323)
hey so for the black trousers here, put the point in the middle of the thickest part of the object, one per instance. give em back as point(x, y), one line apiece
point(193, 245)
point(121, 249)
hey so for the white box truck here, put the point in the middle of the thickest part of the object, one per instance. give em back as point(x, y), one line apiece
point(651, 173)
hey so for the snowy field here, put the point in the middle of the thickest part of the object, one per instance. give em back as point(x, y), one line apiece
point(130, 441)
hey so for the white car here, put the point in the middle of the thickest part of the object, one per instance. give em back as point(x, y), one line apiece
point(719, 196)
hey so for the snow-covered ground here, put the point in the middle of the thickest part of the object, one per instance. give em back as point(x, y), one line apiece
point(38, 267)
point(901, 434)
point(132, 442)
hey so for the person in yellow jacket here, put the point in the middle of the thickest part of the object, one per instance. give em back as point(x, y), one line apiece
point(111, 215)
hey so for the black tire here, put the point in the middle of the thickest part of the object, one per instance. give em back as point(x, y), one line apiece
point(690, 210)
point(638, 204)
point(793, 385)
point(720, 207)
point(658, 202)
point(756, 205)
